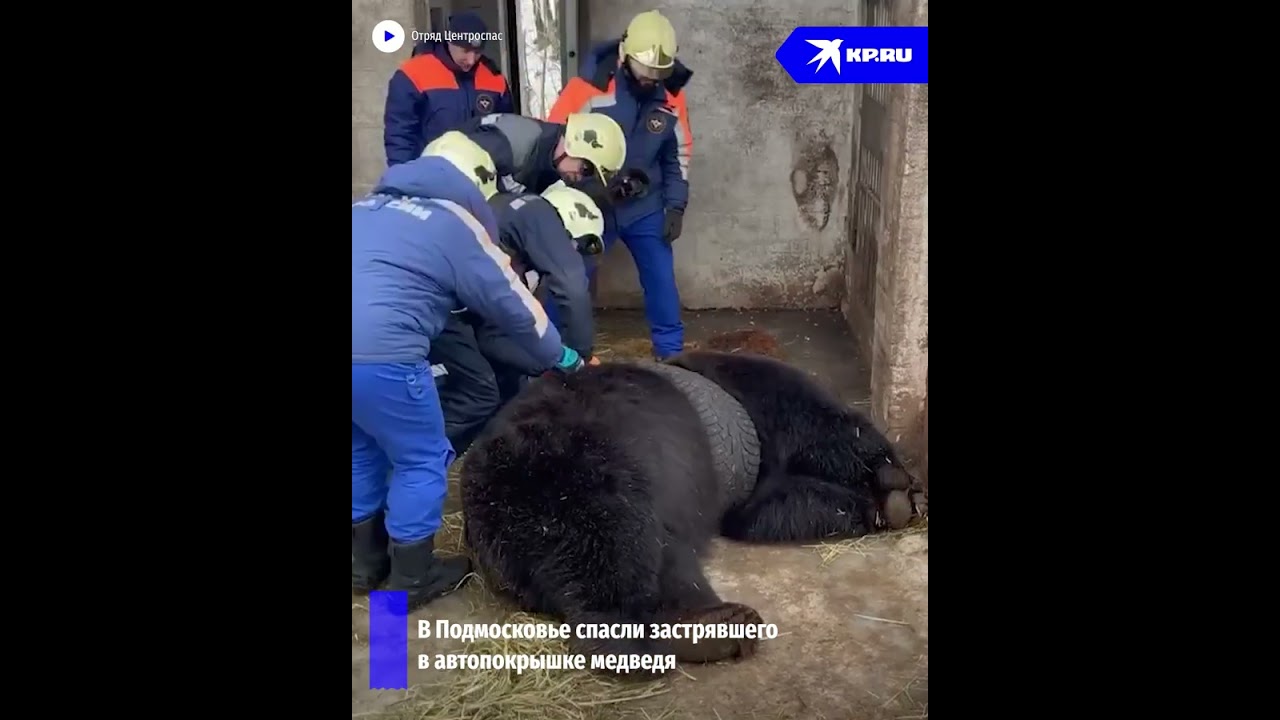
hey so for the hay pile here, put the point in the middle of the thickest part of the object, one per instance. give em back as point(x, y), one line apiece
point(829, 551)
point(750, 340)
point(467, 694)
point(449, 538)
point(531, 695)
point(611, 349)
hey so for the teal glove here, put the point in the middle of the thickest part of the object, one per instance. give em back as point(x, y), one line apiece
point(570, 361)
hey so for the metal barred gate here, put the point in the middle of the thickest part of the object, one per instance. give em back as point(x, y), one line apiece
point(868, 191)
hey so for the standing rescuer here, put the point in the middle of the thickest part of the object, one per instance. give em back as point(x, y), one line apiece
point(421, 246)
point(441, 87)
point(638, 82)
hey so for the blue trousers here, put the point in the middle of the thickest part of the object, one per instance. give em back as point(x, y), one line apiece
point(396, 425)
point(655, 264)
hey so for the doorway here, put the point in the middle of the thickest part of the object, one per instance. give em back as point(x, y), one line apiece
point(538, 51)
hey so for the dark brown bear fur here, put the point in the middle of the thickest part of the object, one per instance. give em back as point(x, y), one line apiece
point(593, 499)
point(825, 470)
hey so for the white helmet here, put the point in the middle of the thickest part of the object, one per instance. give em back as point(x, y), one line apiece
point(579, 213)
point(468, 157)
point(597, 138)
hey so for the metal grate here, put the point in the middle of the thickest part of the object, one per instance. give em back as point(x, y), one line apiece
point(869, 187)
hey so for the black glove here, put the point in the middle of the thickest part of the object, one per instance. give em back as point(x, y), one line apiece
point(628, 185)
point(674, 223)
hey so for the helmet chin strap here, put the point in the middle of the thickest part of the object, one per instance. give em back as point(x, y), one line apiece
point(589, 245)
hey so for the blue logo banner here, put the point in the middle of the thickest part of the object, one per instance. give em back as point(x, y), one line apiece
point(855, 55)
point(388, 640)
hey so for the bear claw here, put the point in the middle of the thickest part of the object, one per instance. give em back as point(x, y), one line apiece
point(920, 502)
point(712, 649)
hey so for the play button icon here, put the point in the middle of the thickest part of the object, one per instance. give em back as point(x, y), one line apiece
point(388, 36)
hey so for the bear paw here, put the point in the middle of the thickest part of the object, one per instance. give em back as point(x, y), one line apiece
point(897, 509)
point(901, 498)
point(892, 477)
point(713, 649)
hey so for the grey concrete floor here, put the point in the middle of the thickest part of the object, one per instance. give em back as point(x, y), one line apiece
point(816, 340)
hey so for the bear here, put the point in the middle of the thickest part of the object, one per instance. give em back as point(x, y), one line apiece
point(593, 498)
point(825, 470)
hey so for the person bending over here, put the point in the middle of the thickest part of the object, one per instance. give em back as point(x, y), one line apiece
point(421, 245)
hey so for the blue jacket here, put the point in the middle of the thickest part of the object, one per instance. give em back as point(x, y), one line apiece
point(656, 123)
point(532, 233)
point(418, 253)
point(429, 95)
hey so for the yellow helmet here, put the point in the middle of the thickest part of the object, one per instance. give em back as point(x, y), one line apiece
point(580, 214)
point(598, 139)
point(468, 157)
point(649, 45)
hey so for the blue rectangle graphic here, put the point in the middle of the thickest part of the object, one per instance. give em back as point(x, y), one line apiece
point(856, 54)
point(388, 640)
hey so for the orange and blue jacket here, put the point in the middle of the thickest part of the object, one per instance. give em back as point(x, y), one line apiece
point(429, 95)
point(656, 124)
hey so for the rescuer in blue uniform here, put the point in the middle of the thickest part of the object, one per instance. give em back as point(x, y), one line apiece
point(421, 245)
point(548, 238)
point(478, 366)
point(440, 87)
point(639, 83)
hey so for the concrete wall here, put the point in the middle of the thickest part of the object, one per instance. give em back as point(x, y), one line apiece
point(370, 72)
point(766, 220)
point(924, 438)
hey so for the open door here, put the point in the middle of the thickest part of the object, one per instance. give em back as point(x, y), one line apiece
point(500, 16)
point(547, 40)
point(538, 51)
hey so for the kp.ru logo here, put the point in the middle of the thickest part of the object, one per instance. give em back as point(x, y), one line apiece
point(856, 55)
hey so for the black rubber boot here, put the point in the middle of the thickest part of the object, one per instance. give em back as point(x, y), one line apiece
point(370, 564)
point(416, 569)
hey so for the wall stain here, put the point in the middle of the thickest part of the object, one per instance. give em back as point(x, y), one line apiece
point(774, 128)
point(756, 31)
point(815, 177)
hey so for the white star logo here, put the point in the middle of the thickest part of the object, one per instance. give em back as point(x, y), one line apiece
point(830, 51)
